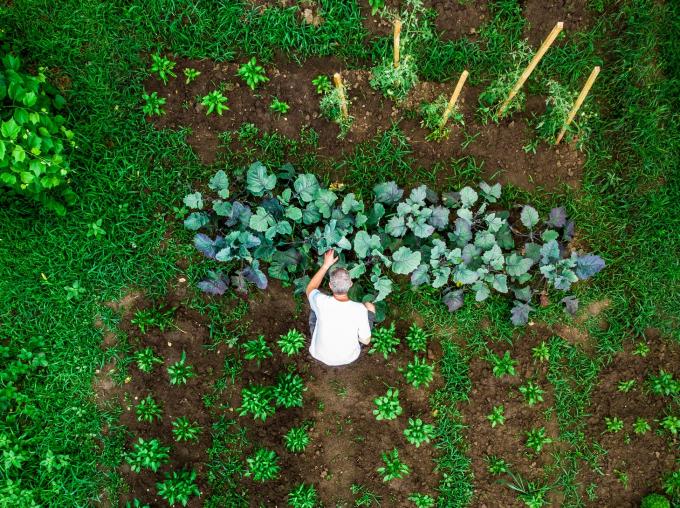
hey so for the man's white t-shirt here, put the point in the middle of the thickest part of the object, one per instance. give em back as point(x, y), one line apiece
point(339, 326)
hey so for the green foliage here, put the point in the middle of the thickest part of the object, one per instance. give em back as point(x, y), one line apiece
point(153, 104)
point(418, 372)
point(641, 349)
point(366, 497)
point(671, 484)
point(421, 500)
point(502, 365)
point(288, 390)
point(641, 426)
point(215, 102)
point(292, 342)
point(626, 386)
point(496, 466)
point(178, 487)
point(303, 496)
point(663, 384)
point(613, 424)
point(153, 317)
point(497, 416)
point(136, 503)
point(191, 74)
point(185, 430)
point(392, 82)
point(263, 465)
point(296, 439)
point(388, 407)
point(671, 424)
point(537, 439)
point(257, 349)
point(393, 468)
point(163, 66)
point(330, 106)
point(532, 494)
point(322, 84)
point(148, 409)
point(655, 501)
point(376, 5)
point(33, 137)
point(279, 106)
point(432, 113)
point(416, 339)
point(180, 372)
point(533, 394)
point(146, 359)
point(417, 432)
point(384, 340)
point(252, 73)
point(541, 353)
point(257, 401)
point(149, 454)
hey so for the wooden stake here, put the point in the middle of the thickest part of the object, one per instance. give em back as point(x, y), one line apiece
point(532, 65)
point(453, 99)
point(337, 79)
point(397, 42)
point(578, 103)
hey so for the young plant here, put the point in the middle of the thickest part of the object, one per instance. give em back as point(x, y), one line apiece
point(671, 424)
point(148, 409)
point(537, 439)
point(163, 67)
point(331, 107)
point(322, 84)
point(388, 407)
point(533, 394)
point(148, 454)
point(146, 359)
point(418, 373)
point(256, 400)
point(395, 83)
point(613, 424)
point(288, 390)
point(393, 468)
point(421, 500)
point(215, 102)
point(178, 487)
point(180, 372)
point(541, 353)
point(366, 497)
point(418, 432)
point(496, 466)
point(663, 384)
point(263, 465)
point(152, 318)
point(376, 5)
point(292, 342)
point(279, 107)
point(531, 494)
point(296, 439)
point(153, 104)
point(432, 113)
point(185, 430)
point(416, 339)
point(252, 73)
point(655, 501)
point(641, 349)
point(384, 340)
point(641, 426)
point(502, 365)
point(497, 416)
point(303, 496)
point(671, 483)
point(191, 74)
point(257, 349)
point(626, 386)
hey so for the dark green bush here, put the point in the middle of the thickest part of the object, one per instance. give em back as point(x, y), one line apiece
point(655, 501)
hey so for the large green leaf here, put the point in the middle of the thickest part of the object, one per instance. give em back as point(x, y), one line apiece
point(194, 201)
point(405, 261)
point(306, 185)
point(258, 181)
point(529, 216)
point(365, 243)
point(220, 183)
point(261, 221)
point(516, 265)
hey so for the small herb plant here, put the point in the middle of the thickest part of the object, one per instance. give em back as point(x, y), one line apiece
point(153, 317)
point(641, 426)
point(418, 373)
point(303, 496)
point(288, 390)
point(296, 439)
point(671, 483)
point(502, 365)
point(393, 468)
point(256, 400)
point(392, 82)
point(292, 342)
point(671, 424)
point(432, 113)
point(149, 454)
point(537, 439)
point(185, 430)
point(626, 386)
point(497, 416)
point(279, 107)
point(322, 84)
point(216, 102)
point(384, 340)
point(388, 407)
point(421, 500)
point(496, 466)
point(613, 424)
point(416, 339)
point(178, 487)
point(252, 73)
point(191, 74)
point(331, 107)
point(148, 409)
point(257, 349)
point(146, 359)
point(663, 384)
point(417, 432)
point(180, 372)
point(533, 394)
point(263, 465)
point(641, 349)
point(376, 5)
point(163, 66)
point(541, 353)
point(153, 104)
point(532, 494)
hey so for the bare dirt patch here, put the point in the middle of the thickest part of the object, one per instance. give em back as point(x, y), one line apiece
point(542, 15)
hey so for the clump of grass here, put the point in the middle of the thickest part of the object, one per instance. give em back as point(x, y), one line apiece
point(392, 82)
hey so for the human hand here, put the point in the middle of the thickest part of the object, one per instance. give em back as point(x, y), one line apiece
point(329, 259)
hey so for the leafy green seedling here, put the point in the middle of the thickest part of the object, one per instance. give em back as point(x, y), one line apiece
point(626, 386)
point(163, 67)
point(288, 390)
point(279, 106)
point(671, 483)
point(136, 503)
point(376, 5)
point(541, 353)
point(252, 73)
point(153, 104)
point(331, 107)
point(641, 426)
point(384, 340)
point(292, 342)
point(418, 373)
point(502, 365)
point(496, 466)
point(152, 317)
point(191, 74)
point(388, 407)
point(95, 229)
point(533, 394)
point(180, 372)
point(671, 424)
point(663, 384)
point(303, 496)
point(257, 349)
point(148, 409)
point(296, 439)
point(149, 454)
point(613, 424)
point(185, 430)
point(256, 400)
point(178, 487)
point(421, 500)
point(146, 359)
point(392, 82)
point(497, 416)
point(416, 339)
point(532, 494)
point(322, 84)
point(432, 114)
point(537, 439)
point(417, 432)
point(216, 102)
point(393, 468)
point(641, 349)
point(263, 465)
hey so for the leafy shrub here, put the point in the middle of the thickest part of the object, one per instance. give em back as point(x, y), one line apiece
point(537, 439)
point(146, 359)
point(303, 496)
point(215, 102)
point(252, 73)
point(388, 407)
point(417, 432)
point(153, 104)
point(178, 487)
point(191, 74)
point(279, 107)
point(33, 138)
point(296, 439)
point(185, 430)
point(148, 409)
point(418, 373)
point(331, 107)
point(432, 113)
point(502, 365)
point(322, 84)
point(148, 454)
point(180, 372)
point(256, 400)
point(292, 342)
point(416, 339)
point(393, 468)
point(476, 251)
point(163, 66)
point(384, 340)
point(655, 501)
point(288, 390)
point(497, 416)
point(263, 465)
point(533, 394)
point(257, 349)
point(422, 500)
point(392, 82)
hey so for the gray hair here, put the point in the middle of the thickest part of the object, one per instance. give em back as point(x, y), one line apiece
point(340, 281)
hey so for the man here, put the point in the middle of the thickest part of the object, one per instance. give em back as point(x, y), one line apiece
point(338, 325)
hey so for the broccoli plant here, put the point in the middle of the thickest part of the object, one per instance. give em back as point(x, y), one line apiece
point(215, 102)
point(146, 359)
point(256, 400)
point(252, 73)
point(257, 349)
point(191, 74)
point(288, 390)
point(322, 84)
point(185, 430)
point(163, 66)
point(148, 409)
point(263, 465)
point(418, 373)
point(384, 340)
point(303, 496)
point(279, 107)
point(417, 432)
point(502, 365)
point(296, 439)
point(421, 500)
point(537, 439)
point(388, 407)
point(178, 487)
point(496, 466)
point(497, 416)
point(149, 454)
point(393, 468)
point(416, 339)
point(153, 104)
point(533, 394)
point(180, 372)
point(292, 342)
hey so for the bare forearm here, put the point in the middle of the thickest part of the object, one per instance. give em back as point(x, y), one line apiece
point(317, 279)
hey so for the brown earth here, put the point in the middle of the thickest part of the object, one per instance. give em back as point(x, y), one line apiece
point(542, 15)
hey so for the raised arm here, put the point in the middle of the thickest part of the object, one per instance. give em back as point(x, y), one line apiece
point(329, 259)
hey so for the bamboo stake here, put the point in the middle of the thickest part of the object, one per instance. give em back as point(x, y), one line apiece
point(397, 42)
point(578, 103)
point(337, 79)
point(532, 65)
point(453, 99)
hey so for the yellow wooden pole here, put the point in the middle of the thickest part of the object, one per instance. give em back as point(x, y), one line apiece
point(453, 99)
point(579, 102)
point(337, 79)
point(532, 65)
point(396, 42)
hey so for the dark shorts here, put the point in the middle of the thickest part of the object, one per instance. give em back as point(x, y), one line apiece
point(312, 321)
